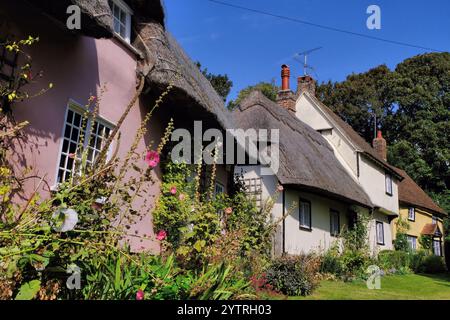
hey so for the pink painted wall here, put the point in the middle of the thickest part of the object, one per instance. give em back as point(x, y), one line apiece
point(77, 66)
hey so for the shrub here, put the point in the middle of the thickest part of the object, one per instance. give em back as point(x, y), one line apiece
point(416, 261)
point(331, 264)
point(294, 275)
point(388, 259)
point(401, 242)
point(354, 262)
point(433, 264)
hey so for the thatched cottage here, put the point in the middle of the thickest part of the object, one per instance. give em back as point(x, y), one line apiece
point(122, 46)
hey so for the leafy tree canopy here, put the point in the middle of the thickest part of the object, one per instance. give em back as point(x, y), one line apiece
point(220, 82)
point(269, 89)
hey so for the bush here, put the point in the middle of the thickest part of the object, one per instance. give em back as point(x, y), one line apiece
point(388, 260)
point(294, 275)
point(331, 264)
point(433, 264)
point(354, 262)
point(401, 242)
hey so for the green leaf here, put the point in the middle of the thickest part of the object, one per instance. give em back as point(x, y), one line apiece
point(28, 290)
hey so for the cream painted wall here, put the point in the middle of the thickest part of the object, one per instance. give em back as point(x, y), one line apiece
point(372, 179)
point(319, 238)
point(375, 248)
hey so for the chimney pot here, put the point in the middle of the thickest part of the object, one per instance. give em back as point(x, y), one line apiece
point(380, 145)
point(285, 97)
point(285, 75)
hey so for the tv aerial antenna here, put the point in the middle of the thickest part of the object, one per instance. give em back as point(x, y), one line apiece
point(305, 55)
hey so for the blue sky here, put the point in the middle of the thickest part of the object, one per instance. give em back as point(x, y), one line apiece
point(250, 47)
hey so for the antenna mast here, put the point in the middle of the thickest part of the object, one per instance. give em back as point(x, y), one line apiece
point(305, 61)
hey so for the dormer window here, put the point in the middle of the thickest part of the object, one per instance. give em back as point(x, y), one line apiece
point(121, 18)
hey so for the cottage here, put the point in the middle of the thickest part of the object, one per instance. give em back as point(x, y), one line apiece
point(326, 196)
point(366, 165)
point(123, 55)
point(423, 216)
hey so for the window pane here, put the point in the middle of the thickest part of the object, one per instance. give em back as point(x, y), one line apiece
point(69, 116)
point(77, 120)
point(75, 134)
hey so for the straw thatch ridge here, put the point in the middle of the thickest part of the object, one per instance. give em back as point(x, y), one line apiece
point(96, 16)
point(306, 158)
point(410, 193)
point(165, 62)
point(356, 139)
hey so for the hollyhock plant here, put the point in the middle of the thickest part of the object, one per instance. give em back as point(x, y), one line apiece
point(161, 235)
point(173, 190)
point(152, 158)
point(140, 295)
point(66, 219)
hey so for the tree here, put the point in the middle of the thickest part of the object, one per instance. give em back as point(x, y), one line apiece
point(220, 82)
point(269, 89)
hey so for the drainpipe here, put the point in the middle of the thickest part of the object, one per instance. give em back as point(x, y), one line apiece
point(284, 223)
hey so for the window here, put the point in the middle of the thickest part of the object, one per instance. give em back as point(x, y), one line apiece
point(334, 223)
point(412, 242)
point(304, 214)
point(253, 190)
point(437, 247)
point(433, 219)
point(388, 184)
point(8, 62)
point(121, 18)
point(380, 232)
point(219, 188)
point(411, 214)
point(70, 152)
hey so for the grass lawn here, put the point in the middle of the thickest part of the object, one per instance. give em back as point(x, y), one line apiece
point(411, 286)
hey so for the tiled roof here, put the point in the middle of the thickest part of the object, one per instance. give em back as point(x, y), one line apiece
point(410, 193)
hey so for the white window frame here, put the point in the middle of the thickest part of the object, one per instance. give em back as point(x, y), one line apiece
point(335, 229)
point(377, 225)
point(412, 214)
point(218, 188)
point(79, 109)
point(389, 184)
point(412, 242)
point(301, 212)
point(121, 5)
point(438, 247)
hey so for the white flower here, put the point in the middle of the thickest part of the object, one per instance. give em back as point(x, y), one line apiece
point(66, 219)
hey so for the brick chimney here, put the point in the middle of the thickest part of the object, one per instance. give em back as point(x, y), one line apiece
point(380, 146)
point(285, 96)
point(306, 84)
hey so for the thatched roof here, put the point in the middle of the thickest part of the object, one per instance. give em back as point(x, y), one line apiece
point(306, 158)
point(165, 62)
point(355, 138)
point(411, 194)
point(96, 16)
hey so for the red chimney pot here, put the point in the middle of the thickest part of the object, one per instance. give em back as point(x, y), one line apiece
point(285, 74)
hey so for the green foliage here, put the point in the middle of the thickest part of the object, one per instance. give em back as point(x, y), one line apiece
point(220, 82)
point(29, 290)
point(356, 237)
point(269, 89)
point(401, 242)
point(388, 259)
point(294, 275)
point(331, 263)
point(426, 242)
point(433, 264)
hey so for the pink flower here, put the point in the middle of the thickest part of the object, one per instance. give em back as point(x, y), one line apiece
point(71, 155)
point(280, 188)
point(161, 235)
point(181, 197)
point(152, 158)
point(173, 190)
point(228, 210)
point(140, 295)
